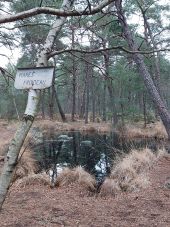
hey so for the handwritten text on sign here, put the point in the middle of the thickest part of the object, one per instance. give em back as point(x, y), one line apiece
point(34, 78)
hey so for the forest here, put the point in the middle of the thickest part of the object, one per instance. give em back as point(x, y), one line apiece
point(103, 120)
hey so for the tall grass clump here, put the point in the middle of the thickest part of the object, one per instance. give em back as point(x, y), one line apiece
point(130, 173)
point(153, 130)
point(33, 179)
point(76, 175)
point(26, 165)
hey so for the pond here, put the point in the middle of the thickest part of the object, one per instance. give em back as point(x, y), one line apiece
point(94, 152)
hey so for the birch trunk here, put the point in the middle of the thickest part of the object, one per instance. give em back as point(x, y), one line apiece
point(143, 71)
point(33, 97)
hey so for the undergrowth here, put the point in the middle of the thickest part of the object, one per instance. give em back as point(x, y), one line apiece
point(131, 172)
point(128, 174)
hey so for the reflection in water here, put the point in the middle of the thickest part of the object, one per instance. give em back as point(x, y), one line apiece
point(94, 152)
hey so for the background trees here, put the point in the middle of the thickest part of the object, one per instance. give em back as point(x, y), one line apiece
point(95, 86)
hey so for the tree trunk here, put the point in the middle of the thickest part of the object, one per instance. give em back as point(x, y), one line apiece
point(63, 117)
point(144, 109)
point(51, 101)
point(82, 107)
point(93, 100)
point(147, 32)
point(104, 102)
point(30, 112)
point(87, 95)
point(74, 78)
point(42, 97)
point(143, 71)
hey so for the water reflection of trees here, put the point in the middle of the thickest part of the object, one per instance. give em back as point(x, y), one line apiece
point(94, 152)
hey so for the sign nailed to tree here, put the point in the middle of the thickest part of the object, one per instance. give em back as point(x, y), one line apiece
point(34, 78)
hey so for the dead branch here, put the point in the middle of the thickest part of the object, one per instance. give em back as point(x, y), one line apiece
point(52, 11)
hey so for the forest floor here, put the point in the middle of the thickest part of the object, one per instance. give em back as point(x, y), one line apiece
point(71, 206)
point(39, 205)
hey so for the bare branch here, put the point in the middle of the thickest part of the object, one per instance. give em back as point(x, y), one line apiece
point(4, 72)
point(52, 11)
point(104, 49)
point(25, 25)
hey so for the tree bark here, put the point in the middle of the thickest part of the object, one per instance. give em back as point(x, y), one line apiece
point(74, 78)
point(143, 71)
point(42, 97)
point(51, 101)
point(87, 95)
point(147, 32)
point(104, 102)
point(30, 112)
point(82, 107)
point(144, 109)
point(93, 99)
point(63, 117)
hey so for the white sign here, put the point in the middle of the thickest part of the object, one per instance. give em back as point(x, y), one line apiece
point(34, 78)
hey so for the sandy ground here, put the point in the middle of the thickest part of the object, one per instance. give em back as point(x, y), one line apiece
point(39, 205)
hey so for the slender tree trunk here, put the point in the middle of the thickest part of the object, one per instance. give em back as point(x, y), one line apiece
point(82, 108)
point(144, 109)
point(74, 78)
point(51, 97)
point(30, 112)
point(93, 100)
point(42, 98)
point(63, 117)
point(15, 147)
point(87, 94)
point(104, 102)
point(148, 32)
point(50, 103)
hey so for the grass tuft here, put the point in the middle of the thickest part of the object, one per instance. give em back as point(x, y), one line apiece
point(76, 175)
point(26, 165)
point(130, 173)
point(109, 187)
point(33, 179)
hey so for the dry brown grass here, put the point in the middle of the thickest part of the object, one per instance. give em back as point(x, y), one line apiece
point(109, 187)
point(45, 125)
point(26, 165)
point(76, 175)
point(139, 182)
point(156, 130)
point(130, 173)
point(33, 179)
point(127, 171)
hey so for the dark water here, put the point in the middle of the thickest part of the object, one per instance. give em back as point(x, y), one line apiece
point(94, 152)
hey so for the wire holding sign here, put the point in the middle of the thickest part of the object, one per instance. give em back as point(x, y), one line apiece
point(34, 78)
